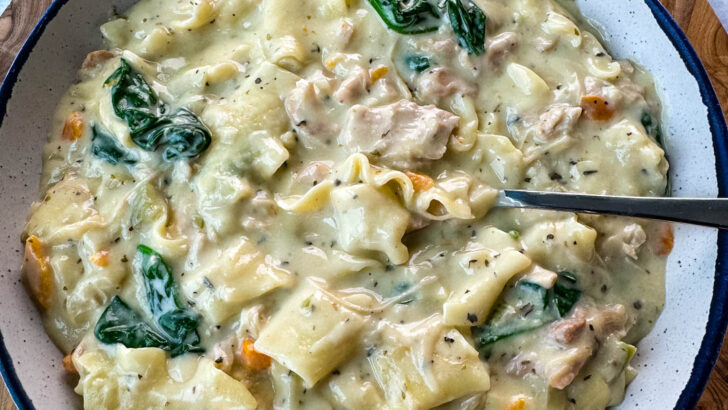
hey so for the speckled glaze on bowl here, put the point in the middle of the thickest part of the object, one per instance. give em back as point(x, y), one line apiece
point(674, 360)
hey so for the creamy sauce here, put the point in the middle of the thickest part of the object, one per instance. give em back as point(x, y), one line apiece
point(335, 239)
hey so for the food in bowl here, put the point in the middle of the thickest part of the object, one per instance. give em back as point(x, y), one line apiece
point(281, 204)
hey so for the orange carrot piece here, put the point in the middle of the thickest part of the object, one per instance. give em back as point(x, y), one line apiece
point(420, 182)
point(253, 359)
point(68, 364)
point(518, 404)
point(73, 128)
point(378, 73)
point(100, 258)
point(596, 108)
point(666, 240)
point(37, 271)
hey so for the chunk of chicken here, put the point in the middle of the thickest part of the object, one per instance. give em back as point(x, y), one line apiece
point(438, 83)
point(402, 134)
point(562, 370)
point(344, 31)
point(95, 58)
point(352, 87)
point(223, 354)
point(601, 321)
point(309, 114)
point(566, 331)
point(595, 87)
point(627, 241)
point(500, 46)
point(608, 320)
point(556, 121)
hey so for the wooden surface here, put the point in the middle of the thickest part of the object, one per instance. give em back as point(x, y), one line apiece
point(694, 16)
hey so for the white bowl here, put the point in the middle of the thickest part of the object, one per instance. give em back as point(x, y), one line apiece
point(674, 360)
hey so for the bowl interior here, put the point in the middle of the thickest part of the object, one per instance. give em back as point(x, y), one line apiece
point(665, 358)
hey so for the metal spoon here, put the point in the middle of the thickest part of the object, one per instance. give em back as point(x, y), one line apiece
point(712, 212)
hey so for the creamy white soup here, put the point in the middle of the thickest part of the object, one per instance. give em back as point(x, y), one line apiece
point(289, 204)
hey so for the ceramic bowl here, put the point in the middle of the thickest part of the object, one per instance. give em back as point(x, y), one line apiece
point(674, 361)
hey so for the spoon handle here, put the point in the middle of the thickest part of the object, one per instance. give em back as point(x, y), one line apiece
point(712, 212)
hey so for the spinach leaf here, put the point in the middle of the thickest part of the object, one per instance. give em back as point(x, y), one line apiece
point(178, 324)
point(565, 294)
point(468, 23)
point(181, 135)
point(417, 63)
point(108, 148)
point(652, 127)
point(178, 135)
point(416, 17)
point(523, 308)
point(422, 16)
point(176, 327)
point(121, 324)
point(133, 99)
point(526, 307)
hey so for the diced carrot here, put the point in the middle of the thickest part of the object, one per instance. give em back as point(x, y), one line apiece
point(666, 239)
point(68, 364)
point(420, 182)
point(100, 258)
point(378, 73)
point(596, 108)
point(518, 404)
point(73, 128)
point(38, 271)
point(253, 359)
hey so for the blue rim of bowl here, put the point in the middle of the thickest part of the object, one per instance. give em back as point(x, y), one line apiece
point(718, 317)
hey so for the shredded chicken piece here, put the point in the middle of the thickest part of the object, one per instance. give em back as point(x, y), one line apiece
point(500, 46)
point(566, 331)
point(402, 134)
point(556, 121)
point(627, 241)
point(344, 32)
point(222, 354)
point(309, 115)
point(611, 319)
point(95, 58)
point(561, 371)
point(595, 87)
point(353, 86)
point(438, 83)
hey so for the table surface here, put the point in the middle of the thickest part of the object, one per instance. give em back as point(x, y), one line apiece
point(695, 17)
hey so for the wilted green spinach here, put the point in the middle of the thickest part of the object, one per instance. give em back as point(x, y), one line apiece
point(176, 326)
point(108, 148)
point(417, 63)
point(652, 127)
point(179, 135)
point(468, 23)
point(121, 324)
point(416, 17)
point(527, 306)
point(422, 16)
